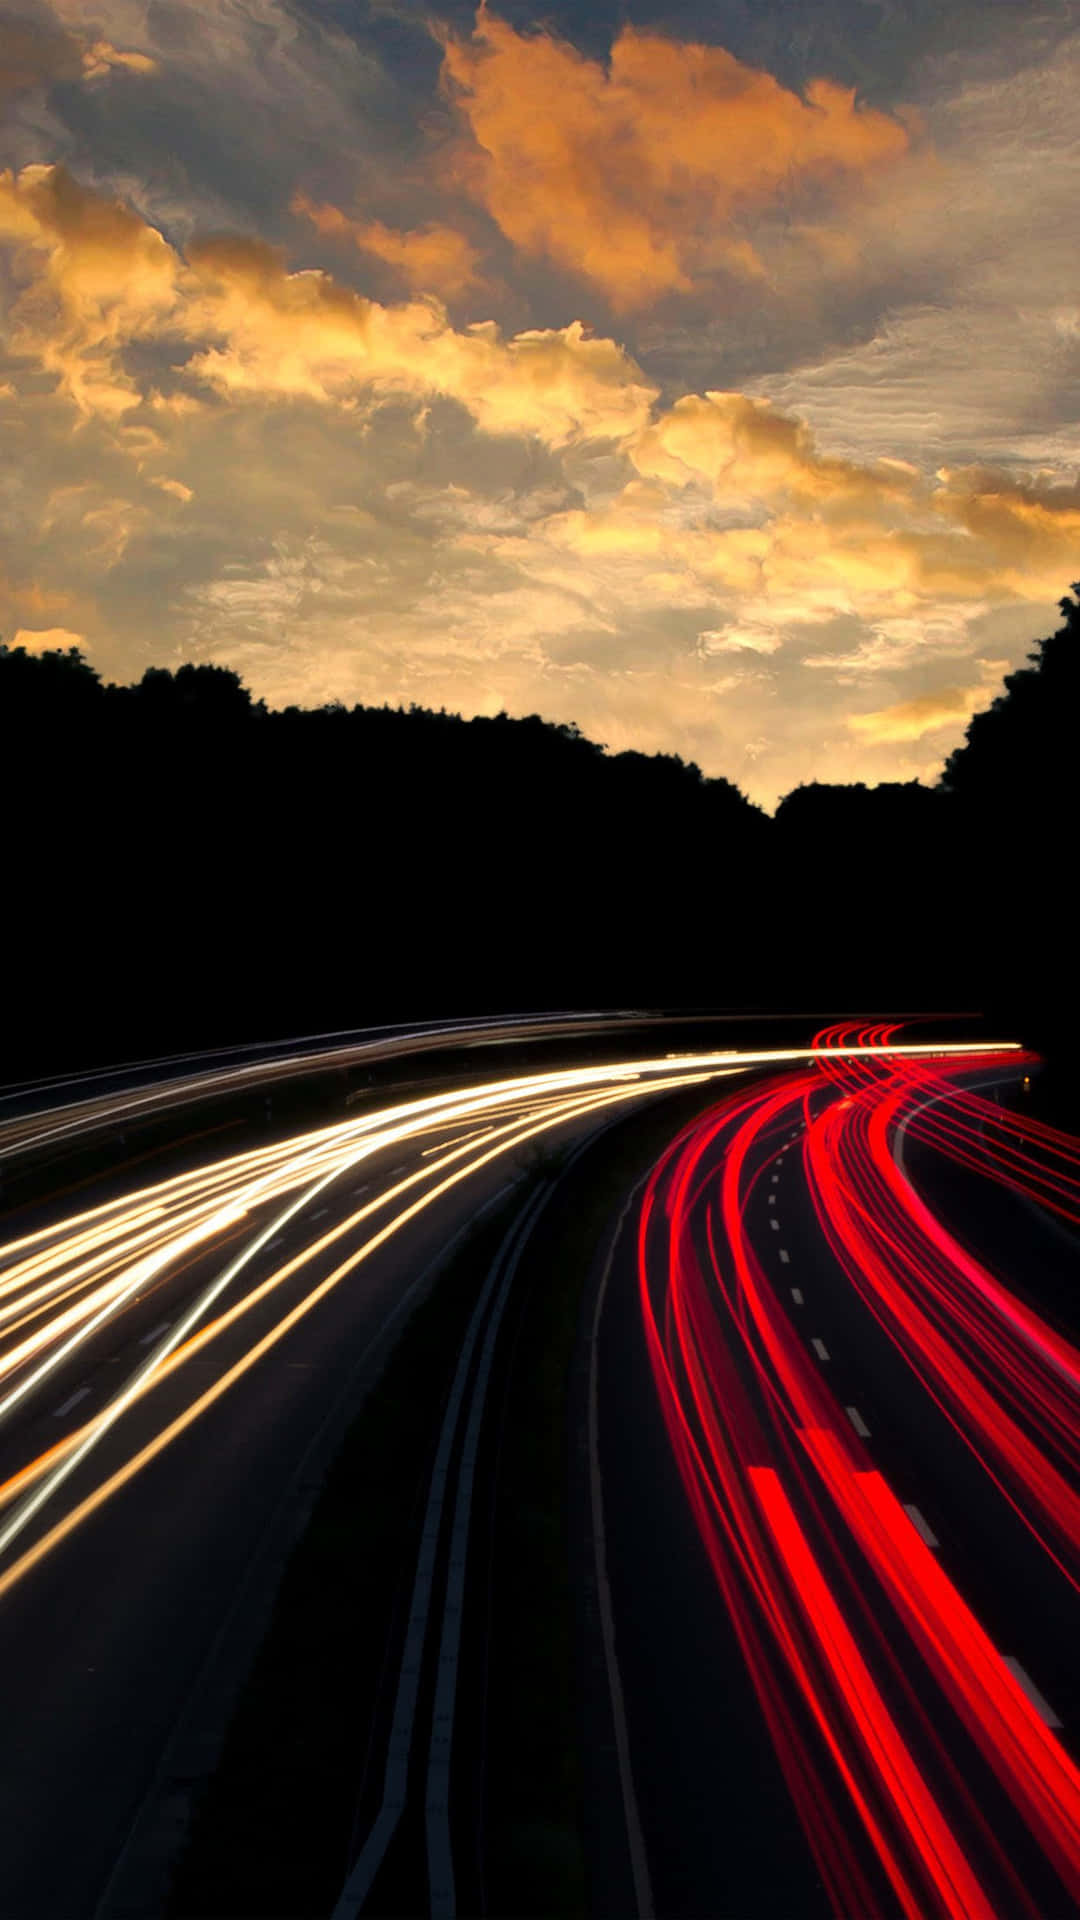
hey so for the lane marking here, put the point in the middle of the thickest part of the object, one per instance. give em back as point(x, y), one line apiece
point(785, 1256)
point(858, 1422)
point(775, 1178)
point(80, 1393)
point(921, 1526)
point(796, 1296)
point(271, 1244)
point(820, 1349)
point(318, 1213)
point(355, 1192)
point(775, 1225)
point(772, 1199)
point(639, 1865)
point(1042, 1707)
point(153, 1334)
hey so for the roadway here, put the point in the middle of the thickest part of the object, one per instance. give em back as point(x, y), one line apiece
point(838, 1459)
point(177, 1362)
point(177, 1365)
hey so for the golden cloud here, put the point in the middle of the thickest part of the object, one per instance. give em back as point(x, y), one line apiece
point(97, 278)
point(100, 57)
point(746, 450)
point(637, 173)
point(430, 259)
point(910, 719)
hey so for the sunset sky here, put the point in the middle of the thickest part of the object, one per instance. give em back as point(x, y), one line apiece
point(706, 375)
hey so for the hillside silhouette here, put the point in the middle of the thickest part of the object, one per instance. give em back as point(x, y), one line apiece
point(188, 868)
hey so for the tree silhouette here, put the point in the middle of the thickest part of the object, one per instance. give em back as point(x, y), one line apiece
point(186, 867)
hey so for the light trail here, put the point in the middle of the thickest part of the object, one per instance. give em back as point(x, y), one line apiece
point(895, 1716)
point(67, 1287)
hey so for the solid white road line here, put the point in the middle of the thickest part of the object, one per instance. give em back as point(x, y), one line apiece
point(639, 1866)
point(858, 1422)
point(921, 1527)
point(80, 1393)
point(820, 1349)
point(442, 1898)
point(796, 1296)
point(399, 1745)
point(1042, 1707)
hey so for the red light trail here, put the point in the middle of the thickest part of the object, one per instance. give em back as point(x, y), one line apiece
point(893, 1712)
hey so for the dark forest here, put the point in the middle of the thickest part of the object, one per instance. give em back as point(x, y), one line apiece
point(187, 868)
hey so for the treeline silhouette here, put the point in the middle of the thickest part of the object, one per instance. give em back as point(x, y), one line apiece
point(184, 867)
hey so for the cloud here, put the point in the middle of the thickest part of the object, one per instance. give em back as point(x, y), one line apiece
point(429, 259)
point(101, 58)
point(926, 713)
point(747, 451)
point(230, 316)
point(36, 54)
point(739, 639)
point(95, 278)
point(48, 639)
point(639, 175)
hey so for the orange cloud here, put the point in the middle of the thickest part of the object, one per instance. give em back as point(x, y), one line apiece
point(637, 174)
point(97, 277)
point(100, 57)
point(746, 450)
point(431, 259)
point(910, 719)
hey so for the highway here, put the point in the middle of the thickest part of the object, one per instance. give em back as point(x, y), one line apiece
point(169, 1360)
point(179, 1359)
point(838, 1450)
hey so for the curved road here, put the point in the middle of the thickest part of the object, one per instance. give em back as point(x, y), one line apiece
point(177, 1364)
point(839, 1452)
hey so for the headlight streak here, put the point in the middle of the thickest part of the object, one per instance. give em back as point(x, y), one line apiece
point(782, 1489)
point(576, 1100)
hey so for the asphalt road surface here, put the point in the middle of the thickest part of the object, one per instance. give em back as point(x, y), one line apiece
point(177, 1362)
point(838, 1443)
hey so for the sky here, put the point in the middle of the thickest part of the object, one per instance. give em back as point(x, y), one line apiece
point(705, 376)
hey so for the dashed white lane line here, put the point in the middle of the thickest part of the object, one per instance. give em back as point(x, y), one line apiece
point(80, 1393)
point(1042, 1707)
point(355, 1192)
point(784, 1255)
point(775, 1178)
point(796, 1296)
point(921, 1526)
point(858, 1422)
point(772, 1199)
point(319, 1213)
point(271, 1244)
point(775, 1225)
point(154, 1331)
point(820, 1349)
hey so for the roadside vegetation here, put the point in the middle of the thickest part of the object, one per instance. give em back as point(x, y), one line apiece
point(229, 872)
